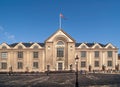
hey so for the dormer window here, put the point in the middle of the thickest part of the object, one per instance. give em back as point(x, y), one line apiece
point(83, 47)
point(109, 47)
point(97, 47)
point(35, 47)
point(4, 47)
point(20, 47)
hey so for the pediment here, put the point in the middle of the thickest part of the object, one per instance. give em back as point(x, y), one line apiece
point(97, 46)
point(19, 45)
point(4, 45)
point(83, 45)
point(36, 45)
point(110, 46)
point(60, 34)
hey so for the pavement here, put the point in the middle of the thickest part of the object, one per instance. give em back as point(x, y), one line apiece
point(57, 80)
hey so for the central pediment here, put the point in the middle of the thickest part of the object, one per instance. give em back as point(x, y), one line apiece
point(60, 34)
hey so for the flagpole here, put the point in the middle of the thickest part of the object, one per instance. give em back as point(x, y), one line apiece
point(60, 21)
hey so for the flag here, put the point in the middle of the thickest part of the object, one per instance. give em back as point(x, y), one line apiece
point(61, 15)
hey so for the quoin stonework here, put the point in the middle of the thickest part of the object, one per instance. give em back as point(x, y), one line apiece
point(57, 53)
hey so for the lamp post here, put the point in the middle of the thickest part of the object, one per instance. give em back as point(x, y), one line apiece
point(76, 73)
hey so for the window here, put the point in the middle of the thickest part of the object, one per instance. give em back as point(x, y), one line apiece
point(3, 65)
point(96, 54)
point(83, 47)
point(96, 64)
point(35, 64)
point(60, 66)
point(83, 53)
point(60, 43)
point(20, 54)
point(109, 53)
point(83, 64)
point(60, 52)
point(4, 47)
point(97, 47)
point(20, 65)
point(19, 47)
point(35, 47)
point(60, 49)
point(109, 63)
point(35, 54)
point(4, 55)
point(110, 47)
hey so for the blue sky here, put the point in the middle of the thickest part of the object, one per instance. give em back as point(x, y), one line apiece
point(36, 20)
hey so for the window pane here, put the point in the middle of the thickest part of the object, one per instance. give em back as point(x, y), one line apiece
point(96, 64)
point(109, 53)
point(109, 63)
point(20, 54)
point(20, 65)
point(96, 54)
point(35, 47)
point(60, 52)
point(35, 54)
point(60, 43)
point(4, 55)
point(83, 53)
point(3, 65)
point(60, 65)
point(83, 64)
point(4, 47)
point(35, 64)
point(19, 47)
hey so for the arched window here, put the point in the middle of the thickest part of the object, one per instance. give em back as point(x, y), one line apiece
point(110, 47)
point(60, 43)
point(96, 47)
point(20, 47)
point(35, 47)
point(60, 49)
point(83, 47)
point(4, 47)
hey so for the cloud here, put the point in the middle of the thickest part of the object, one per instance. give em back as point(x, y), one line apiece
point(6, 36)
point(11, 37)
point(1, 28)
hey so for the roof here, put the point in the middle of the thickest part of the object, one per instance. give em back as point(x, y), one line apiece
point(26, 44)
point(43, 44)
point(63, 32)
point(90, 44)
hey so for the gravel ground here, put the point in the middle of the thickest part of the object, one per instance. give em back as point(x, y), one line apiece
point(57, 80)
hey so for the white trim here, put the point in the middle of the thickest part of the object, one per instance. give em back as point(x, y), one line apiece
point(83, 44)
point(35, 44)
point(96, 44)
point(109, 45)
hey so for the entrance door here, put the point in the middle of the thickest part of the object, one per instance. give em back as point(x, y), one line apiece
point(60, 65)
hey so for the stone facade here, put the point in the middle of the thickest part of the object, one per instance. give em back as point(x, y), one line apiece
point(57, 53)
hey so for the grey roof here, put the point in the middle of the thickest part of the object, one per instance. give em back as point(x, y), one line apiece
point(26, 44)
point(43, 44)
point(77, 44)
point(90, 44)
point(13, 45)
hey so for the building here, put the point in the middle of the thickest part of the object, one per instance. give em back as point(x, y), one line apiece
point(57, 53)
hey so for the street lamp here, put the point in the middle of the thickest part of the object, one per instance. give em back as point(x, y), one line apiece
point(76, 73)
